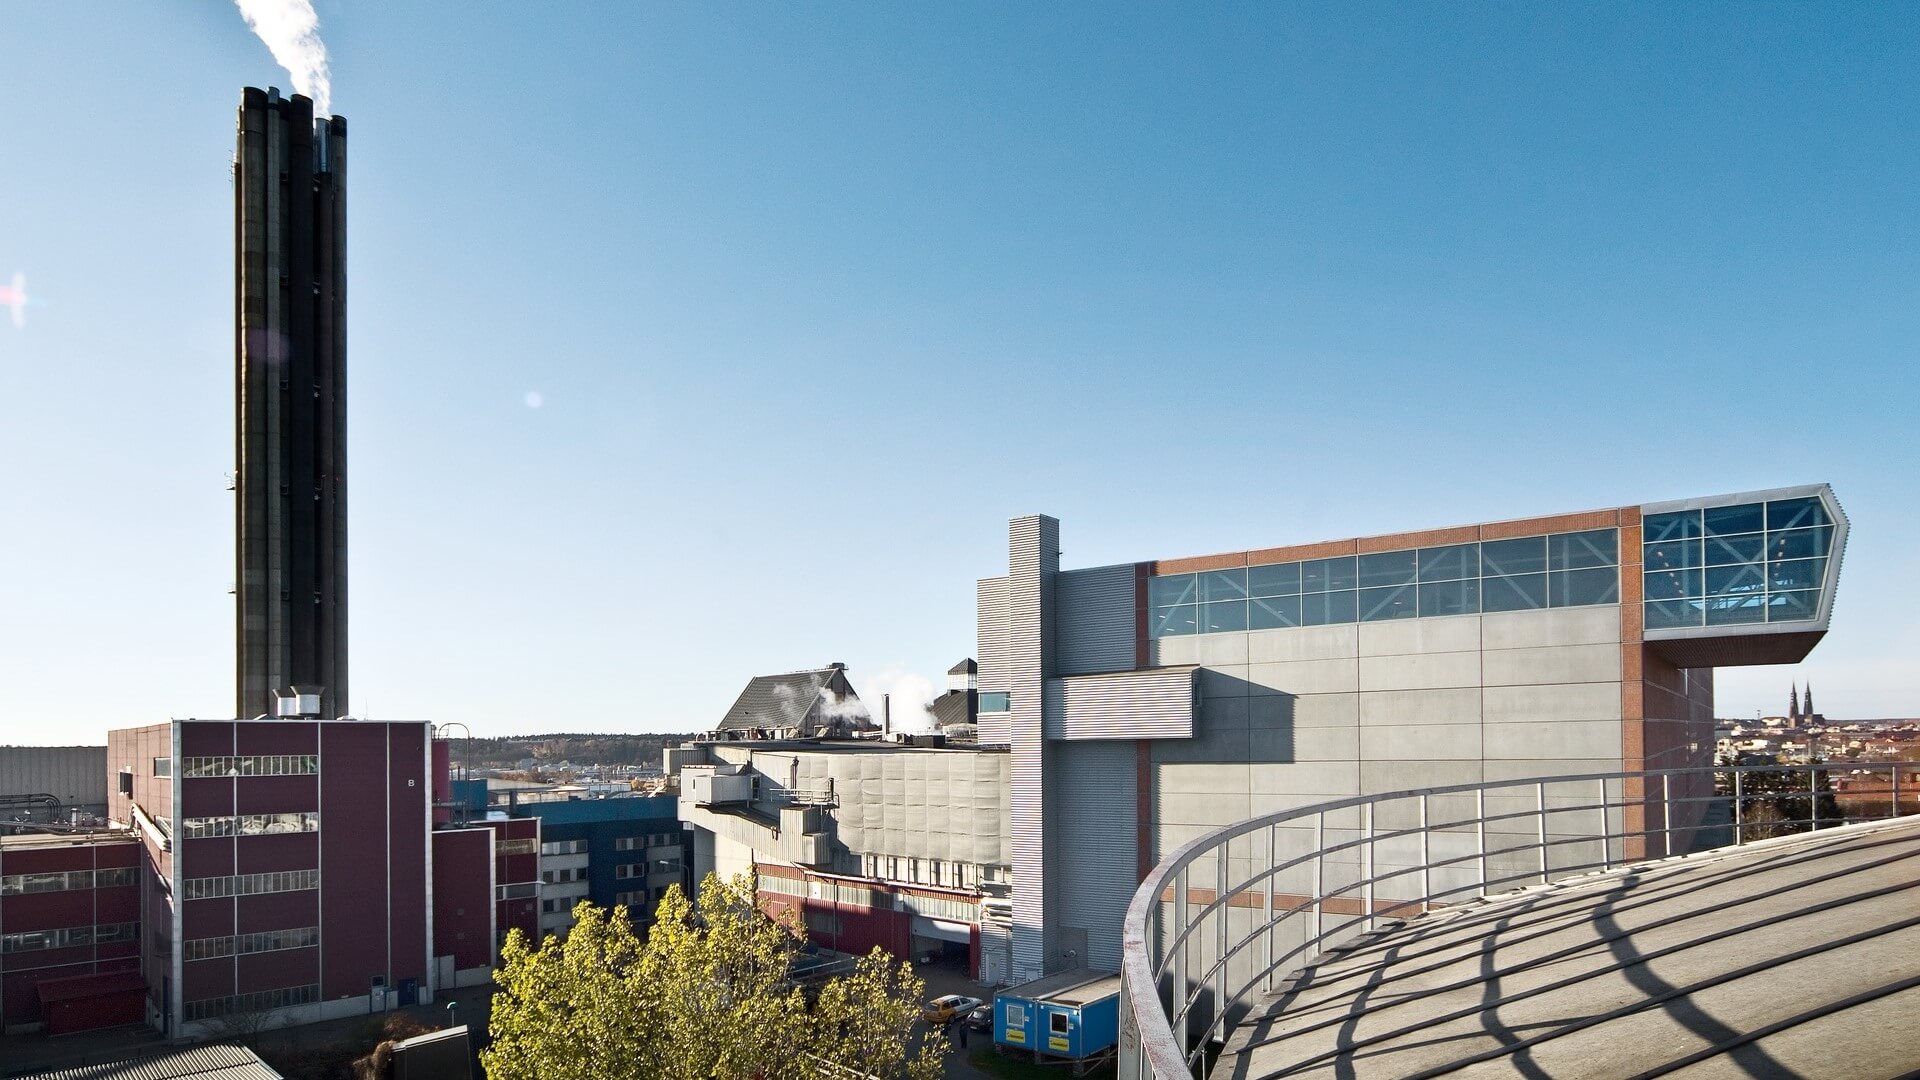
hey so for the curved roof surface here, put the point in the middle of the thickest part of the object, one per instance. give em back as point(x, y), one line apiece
point(1798, 956)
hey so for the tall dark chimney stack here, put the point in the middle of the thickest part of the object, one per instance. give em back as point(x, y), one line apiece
point(290, 402)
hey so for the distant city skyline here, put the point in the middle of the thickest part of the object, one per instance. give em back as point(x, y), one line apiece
point(691, 345)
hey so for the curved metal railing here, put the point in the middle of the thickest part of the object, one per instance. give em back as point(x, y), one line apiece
point(1201, 939)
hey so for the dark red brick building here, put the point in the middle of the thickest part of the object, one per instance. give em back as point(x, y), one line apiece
point(70, 931)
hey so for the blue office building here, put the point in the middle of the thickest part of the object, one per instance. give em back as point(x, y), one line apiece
point(624, 851)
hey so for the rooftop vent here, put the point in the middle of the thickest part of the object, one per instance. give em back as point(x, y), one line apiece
point(298, 700)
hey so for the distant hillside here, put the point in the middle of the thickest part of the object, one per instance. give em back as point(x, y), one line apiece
point(580, 749)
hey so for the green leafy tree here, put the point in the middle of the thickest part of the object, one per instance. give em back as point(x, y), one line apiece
point(705, 997)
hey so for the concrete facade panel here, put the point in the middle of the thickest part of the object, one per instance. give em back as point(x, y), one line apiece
point(1304, 677)
point(1304, 744)
point(1553, 664)
point(1557, 741)
point(1332, 779)
point(1382, 776)
point(1554, 626)
point(1396, 637)
point(1212, 809)
point(1197, 779)
point(1318, 710)
point(1454, 705)
point(1422, 742)
point(1420, 671)
point(1549, 702)
point(1303, 643)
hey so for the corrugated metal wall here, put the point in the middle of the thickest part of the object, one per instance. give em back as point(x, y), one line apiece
point(76, 774)
point(1094, 856)
point(916, 804)
point(1093, 620)
point(1154, 704)
point(990, 652)
point(995, 729)
point(1033, 558)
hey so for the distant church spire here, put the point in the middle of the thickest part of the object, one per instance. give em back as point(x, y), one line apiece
point(1793, 702)
point(1807, 704)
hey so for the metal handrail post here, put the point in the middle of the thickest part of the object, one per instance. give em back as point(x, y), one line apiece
point(1480, 832)
point(1896, 789)
point(1180, 957)
point(1813, 797)
point(1606, 829)
point(1426, 857)
point(1266, 905)
point(1739, 809)
point(1366, 887)
point(1218, 1029)
point(1540, 805)
point(1666, 813)
point(1319, 873)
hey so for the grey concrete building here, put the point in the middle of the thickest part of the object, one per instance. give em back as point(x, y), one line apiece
point(1145, 703)
point(869, 842)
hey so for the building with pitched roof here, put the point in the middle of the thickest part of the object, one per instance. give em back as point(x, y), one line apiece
point(817, 703)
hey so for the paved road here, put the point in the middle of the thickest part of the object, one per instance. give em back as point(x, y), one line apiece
point(952, 980)
point(1794, 957)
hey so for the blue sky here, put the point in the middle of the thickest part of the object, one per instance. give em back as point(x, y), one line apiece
point(815, 298)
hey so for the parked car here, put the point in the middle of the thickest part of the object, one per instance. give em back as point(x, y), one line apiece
point(947, 1009)
point(981, 1017)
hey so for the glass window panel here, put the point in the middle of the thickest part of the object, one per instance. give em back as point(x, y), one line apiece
point(1172, 589)
point(1575, 551)
point(1220, 617)
point(1723, 580)
point(1524, 555)
point(1223, 585)
point(1792, 606)
point(1735, 549)
point(1272, 612)
point(1175, 621)
point(1665, 614)
point(1725, 610)
point(1675, 526)
point(1325, 575)
point(1282, 579)
point(1800, 544)
point(1450, 563)
point(1513, 593)
point(1387, 568)
point(1673, 554)
point(1450, 597)
point(1578, 588)
point(1317, 609)
point(1672, 584)
point(1727, 520)
point(1797, 574)
point(1796, 514)
point(1390, 602)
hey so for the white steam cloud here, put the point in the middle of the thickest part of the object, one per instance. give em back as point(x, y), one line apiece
point(912, 695)
point(291, 32)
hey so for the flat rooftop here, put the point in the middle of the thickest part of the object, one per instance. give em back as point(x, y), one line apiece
point(1797, 956)
point(850, 746)
point(28, 841)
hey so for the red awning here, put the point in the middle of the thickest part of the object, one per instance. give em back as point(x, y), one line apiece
point(86, 986)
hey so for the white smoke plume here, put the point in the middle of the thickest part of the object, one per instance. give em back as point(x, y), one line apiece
point(291, 32)
point(835, 707)
point(912, 694)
